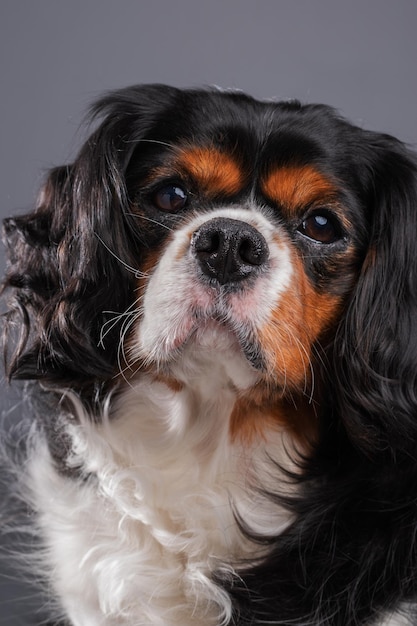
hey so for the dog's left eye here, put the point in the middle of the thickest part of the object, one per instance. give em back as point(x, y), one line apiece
point(170, 198)
point(321, 227)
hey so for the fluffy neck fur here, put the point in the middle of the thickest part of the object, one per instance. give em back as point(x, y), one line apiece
point(140, 540)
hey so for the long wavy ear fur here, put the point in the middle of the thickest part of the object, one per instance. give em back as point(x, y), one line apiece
point(352, 548)
point(62, 257)
point(376, 347)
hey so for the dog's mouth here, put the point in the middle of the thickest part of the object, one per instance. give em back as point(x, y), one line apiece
point(221, 333)
point(207, 336)
point(187, 320)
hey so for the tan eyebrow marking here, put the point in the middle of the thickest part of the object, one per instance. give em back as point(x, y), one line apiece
point(214, 171)
point(295, 187)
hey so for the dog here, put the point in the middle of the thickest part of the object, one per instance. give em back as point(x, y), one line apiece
point(216, 304)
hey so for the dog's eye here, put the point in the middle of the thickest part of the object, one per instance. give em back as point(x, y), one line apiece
point(320, 227)
point(170, 198)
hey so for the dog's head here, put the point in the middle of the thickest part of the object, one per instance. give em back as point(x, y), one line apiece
point(205, 229)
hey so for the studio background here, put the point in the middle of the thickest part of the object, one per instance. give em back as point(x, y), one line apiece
point(56, 57)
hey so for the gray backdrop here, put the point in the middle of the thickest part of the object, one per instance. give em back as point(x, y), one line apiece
point(56, 56)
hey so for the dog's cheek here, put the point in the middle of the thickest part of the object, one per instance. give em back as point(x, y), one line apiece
point(299, 319)
point(163, 295)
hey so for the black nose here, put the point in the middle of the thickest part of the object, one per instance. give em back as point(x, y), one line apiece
point(229, 250)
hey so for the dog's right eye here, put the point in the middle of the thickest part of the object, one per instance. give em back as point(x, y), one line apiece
point(170, 198)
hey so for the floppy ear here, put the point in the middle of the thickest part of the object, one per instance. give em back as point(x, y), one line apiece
point(376, 347)
point(73, 258)
point(64, 278)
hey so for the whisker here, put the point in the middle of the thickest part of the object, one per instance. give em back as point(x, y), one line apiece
point(122, 361)
point(302, 350)
point(111, 323)
point(319, 351)
point(127, 324)
point(156, 141)
point(149, 219)
point(271, 356)
point(136, 272)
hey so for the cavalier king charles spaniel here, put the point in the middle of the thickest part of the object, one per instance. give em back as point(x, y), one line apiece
point(216, 304)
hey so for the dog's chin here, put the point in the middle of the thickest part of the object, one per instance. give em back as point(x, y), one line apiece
point(219, 337)
point(203, 345)
point(214, 346)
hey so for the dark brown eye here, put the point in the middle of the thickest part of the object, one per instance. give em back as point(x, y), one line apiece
point(170, 198)
point(321, 227)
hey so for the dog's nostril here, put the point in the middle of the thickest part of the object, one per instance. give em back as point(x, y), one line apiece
point(229, 250)
point(252, 251)
point(207, 242)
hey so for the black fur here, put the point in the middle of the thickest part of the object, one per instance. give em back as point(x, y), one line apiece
point(351, 552)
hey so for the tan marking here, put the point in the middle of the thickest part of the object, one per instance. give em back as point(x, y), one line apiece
point(294, 188)
point(171, 383)
point(214, 171)
point(259, 411)
point(301, 316)
point(286, 397)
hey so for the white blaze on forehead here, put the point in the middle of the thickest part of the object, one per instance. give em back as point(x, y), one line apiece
point(176, 300)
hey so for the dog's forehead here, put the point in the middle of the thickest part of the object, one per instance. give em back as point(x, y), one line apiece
point(286, 129)
point(228, 146)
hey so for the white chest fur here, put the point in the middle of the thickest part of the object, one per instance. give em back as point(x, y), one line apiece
point(138, 541)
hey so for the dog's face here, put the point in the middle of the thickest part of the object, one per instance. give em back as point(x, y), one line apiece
point(251, 236)
point(254, 243)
